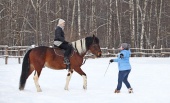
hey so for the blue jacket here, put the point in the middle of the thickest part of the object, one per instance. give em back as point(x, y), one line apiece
point(123, 63)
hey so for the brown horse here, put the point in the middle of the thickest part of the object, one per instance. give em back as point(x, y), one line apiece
point(35, 59)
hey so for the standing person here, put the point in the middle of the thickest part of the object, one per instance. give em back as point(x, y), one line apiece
point(59, 41)
point(124, 67)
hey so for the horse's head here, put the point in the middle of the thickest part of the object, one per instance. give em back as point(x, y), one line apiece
point(92, 44)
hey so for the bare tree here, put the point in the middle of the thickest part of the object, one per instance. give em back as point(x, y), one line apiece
point(159, 23)
point(72, 22)
point(132, 23)
point(93, 18)
point(79, 19)
point(137, 23)
point(109, 36)
point(148, 38)
point(142, 23)
point(143, 15)
point(36, 6)
point(68, 12)
point(118, 22)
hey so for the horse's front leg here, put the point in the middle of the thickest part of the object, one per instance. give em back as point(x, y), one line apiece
point(79, 71)
point(84, 82)
point(70, 72)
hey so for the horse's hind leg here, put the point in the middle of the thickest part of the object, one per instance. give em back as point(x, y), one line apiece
point(36, 75)
point(70, 72)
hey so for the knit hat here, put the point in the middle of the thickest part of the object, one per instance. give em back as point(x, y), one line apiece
point(60, 21)
point(126, 46)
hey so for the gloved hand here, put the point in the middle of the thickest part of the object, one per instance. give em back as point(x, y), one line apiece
point(121, 56)
point(111, 60)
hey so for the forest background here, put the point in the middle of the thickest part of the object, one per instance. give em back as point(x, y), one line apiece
point(142, 23)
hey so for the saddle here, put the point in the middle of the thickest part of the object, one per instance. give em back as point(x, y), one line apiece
point(60, 52)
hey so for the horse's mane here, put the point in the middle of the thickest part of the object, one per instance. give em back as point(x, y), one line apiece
point(80, 45)
point(83, 44)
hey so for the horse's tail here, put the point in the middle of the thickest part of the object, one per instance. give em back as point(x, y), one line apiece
point(25, 70)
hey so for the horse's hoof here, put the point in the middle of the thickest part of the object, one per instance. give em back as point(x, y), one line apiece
point(85, 87)
point(39, 90)
point(65, 88)
point(21, 89)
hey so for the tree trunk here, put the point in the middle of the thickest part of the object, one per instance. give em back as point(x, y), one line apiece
point(149, 26)
point(159, 24)
point(48, 42)
point(132, 23)
point(72, 22)
point(94, 27)
point(86, 19)
point(110, 25)
point(143, 14)
point(118, 22)
point(79, 20)
point(68, 9)
point(137, 24)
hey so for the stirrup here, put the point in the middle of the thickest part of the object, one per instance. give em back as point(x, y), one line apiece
point(66, 61)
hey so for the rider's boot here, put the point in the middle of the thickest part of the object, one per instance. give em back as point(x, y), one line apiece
point(67, 62)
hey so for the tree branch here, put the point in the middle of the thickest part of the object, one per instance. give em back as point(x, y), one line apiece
point(33, 5)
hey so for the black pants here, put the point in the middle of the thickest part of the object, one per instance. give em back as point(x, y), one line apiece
point(67, 47)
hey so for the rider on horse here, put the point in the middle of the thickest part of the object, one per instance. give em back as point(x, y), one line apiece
point(59, 41)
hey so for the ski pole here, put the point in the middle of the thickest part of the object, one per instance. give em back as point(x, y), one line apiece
point(107, 69)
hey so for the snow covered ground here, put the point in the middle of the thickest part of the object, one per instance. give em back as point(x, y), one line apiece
point(150, 79)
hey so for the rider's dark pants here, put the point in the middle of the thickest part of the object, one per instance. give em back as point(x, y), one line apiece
point(67, 47)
